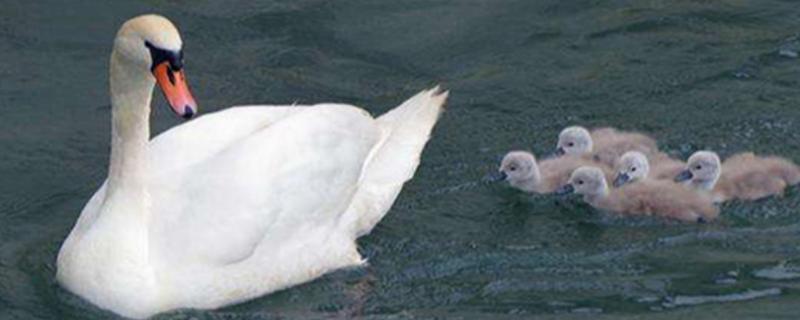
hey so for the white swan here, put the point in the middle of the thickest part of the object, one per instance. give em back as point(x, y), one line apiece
point(235, 204)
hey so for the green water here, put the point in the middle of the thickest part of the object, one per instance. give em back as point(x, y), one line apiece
point(694, 74)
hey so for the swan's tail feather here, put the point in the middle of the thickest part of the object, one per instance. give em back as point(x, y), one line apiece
point(787, 170)
point(405, 129)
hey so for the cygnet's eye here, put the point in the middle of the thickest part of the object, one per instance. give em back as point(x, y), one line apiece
point(512, 168)
point(698, 167)
point(571, 144)
point(580, 181)
point(633, 169)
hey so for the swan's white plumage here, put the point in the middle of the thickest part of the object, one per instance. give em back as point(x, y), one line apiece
point(274, 199)
point(234, 204)
point(404, 132)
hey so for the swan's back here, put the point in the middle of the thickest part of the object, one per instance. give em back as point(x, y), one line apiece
point(775, 166)
point(556, 172)
point(293, 198)
point(662, 198)
point(610, 144)
point(747, 176)
point(663, 167)
point(404, 132)
point(783, 168)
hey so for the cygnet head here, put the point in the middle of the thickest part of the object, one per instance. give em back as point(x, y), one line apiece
point(702, 170)
point(518, 167)
point(574, 140)
point(632, 166)
point(587, 181)
point(150, 47)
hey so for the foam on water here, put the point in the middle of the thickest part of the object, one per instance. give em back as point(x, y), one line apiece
point(680, 301)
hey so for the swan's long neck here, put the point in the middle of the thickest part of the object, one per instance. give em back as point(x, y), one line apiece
point(536, 175)
point(601, 193)
point(131, 92)
point(532, 182)
point(706, 184)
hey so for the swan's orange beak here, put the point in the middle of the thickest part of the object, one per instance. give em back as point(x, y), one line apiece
point(176, 91)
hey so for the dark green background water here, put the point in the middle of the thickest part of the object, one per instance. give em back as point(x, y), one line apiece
point(694, 74)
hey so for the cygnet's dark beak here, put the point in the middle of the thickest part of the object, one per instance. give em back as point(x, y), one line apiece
point(621, 179)
point(498, 176)
point(560, 152)
point(684, 176)
point(565, 190)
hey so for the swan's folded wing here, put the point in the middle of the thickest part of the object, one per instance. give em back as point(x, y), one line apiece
point(275, 189)
point(662, 167)
point(196, 140)
point(783, 168)
point(610, 144)
point(556, 171)
point(404, 132)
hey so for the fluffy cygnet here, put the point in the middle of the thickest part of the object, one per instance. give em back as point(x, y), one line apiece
point(647, 197)
point(744, 176)
point(604, 145)
point(634, 166)
point(521, 170)
point(664, 167)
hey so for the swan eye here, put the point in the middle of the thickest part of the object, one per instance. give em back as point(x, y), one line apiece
point(633, 169)
point(158, 56)
point(580, 181)
point(571, 144)
point(512, 168)
point(698, 167)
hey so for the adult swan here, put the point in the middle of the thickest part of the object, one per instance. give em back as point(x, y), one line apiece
point(235, 204)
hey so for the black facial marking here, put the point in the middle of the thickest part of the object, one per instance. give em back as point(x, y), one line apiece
point(159, 55)
point(171, 76)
